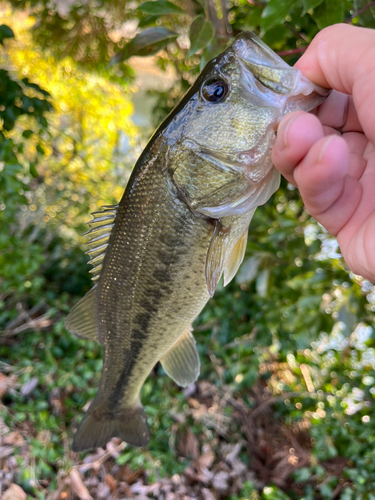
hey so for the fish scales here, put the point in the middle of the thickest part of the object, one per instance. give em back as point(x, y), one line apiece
point(146, 259)
point(181, 224)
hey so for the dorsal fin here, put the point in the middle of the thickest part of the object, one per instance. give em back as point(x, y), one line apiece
point(98, 236)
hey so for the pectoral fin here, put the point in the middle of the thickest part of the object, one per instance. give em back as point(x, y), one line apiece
point(81, 321)
point(181, 362)
point(235, 258)
point(216, 256)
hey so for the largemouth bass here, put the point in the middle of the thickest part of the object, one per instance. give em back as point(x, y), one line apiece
point(181, 224)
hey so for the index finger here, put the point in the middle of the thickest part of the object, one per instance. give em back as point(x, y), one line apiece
point(339, 112)
point(342, 57)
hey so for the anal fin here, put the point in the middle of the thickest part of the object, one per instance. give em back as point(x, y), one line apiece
point(181, 362)
point(81, 321)
point(235, 258)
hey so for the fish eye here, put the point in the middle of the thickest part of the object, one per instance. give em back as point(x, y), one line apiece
point(214, 90)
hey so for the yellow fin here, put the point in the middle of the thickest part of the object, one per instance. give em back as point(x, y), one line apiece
point(216, 256)
point(181, 362)
point(81, 320)
point(235, 258)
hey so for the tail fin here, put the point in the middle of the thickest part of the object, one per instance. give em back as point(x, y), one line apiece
point(97, 428)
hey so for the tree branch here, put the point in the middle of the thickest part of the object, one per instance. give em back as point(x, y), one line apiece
point(292, 51)
point(372, 4)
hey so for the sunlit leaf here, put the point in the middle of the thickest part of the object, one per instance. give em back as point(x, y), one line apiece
point(146, 43)
point(160, 8)
point(34, 86)
point(201, 34)
point(329, 12)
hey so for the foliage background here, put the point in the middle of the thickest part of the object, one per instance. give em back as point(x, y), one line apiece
point(284, 408)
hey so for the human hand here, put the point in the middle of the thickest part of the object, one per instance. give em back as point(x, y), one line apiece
point(330, 157)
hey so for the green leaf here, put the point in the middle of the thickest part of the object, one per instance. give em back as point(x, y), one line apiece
point(326, 490)
point(310, 5)
point(215, 48)
point(40, 149)
point(273, 493)
point(145, 44)
point(253, 18)
point(328, 13)
point(5, 32)
point(160, 8)
point(203, 4)
point(27, 133)
point(33, 170)
point(201, 34)
point(301, 475)
point(147, 21)
point(276, 37)
point(275, 12)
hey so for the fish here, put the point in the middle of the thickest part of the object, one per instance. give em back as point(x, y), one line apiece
point(181, 224)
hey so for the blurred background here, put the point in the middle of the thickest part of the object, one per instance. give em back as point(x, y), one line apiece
point(284, 406)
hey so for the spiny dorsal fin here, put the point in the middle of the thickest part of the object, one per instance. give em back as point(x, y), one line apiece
point(82, 318)
point(235, 258)
point(98, 236)
point(181, 362)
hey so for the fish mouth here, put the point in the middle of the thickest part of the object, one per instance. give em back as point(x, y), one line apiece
point(277, 79)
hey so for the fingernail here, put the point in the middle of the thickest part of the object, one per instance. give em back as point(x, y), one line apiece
point(283, 144)
point(324, 148)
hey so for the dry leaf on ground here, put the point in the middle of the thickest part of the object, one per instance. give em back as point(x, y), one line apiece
point(14, 492)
